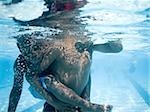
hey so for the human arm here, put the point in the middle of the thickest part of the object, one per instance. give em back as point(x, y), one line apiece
point(67, 95)
point(109, 47)
point(19, 70)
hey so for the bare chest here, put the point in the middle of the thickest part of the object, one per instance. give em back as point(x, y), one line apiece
point(71, 57)
point(73, 69)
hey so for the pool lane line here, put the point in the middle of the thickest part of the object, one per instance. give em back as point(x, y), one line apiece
point(34, 107)
point(143, 93)
point(5, 86)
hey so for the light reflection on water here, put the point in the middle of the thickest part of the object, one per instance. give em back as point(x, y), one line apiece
point(118, 79)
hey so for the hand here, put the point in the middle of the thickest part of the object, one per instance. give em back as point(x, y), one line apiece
point(116, 46)
point(99, 108)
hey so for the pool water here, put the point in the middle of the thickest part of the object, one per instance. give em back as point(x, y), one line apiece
point(121, 79)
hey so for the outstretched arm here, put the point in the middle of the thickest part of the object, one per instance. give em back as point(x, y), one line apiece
point(67, 95)
point(109, 47)
point(19, 70)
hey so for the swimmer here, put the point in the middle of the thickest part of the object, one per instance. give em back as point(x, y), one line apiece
point(65, 64)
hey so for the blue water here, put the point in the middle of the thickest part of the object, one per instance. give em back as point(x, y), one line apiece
point(122, 79)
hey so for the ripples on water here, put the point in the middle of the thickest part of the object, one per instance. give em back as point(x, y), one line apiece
point(120, 79)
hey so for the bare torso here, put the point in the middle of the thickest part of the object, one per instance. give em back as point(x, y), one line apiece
point(66, 63)
point(72, 68)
